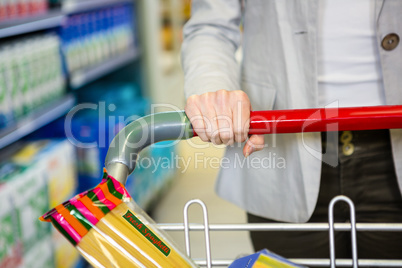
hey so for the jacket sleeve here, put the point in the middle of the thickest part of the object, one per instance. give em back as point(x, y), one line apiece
point(211, 38)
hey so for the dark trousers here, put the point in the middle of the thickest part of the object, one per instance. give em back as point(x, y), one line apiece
point(365, 173)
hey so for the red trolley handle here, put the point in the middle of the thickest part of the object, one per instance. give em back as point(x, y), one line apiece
point(325, 119)
point(120, 160)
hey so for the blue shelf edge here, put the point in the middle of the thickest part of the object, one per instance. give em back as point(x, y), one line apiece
point(36, 120)
point(52, 19)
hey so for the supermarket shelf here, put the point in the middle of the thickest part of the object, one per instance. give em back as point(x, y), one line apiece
point(36, 23)
point(36, 120)
point(81, 78)
point(76, 6)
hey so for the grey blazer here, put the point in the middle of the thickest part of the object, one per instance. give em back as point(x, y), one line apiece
point(278, 71)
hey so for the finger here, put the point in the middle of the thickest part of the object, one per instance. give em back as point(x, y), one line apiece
point(225, 126)
point(197, 121)
point(212, 126)
point(241, 118)
point(206, 105)
point(254, 143)
point(224, 119)
point(215, 137)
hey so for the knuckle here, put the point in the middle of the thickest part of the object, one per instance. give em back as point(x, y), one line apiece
point(192, 100)
point(187, 109)
point(207, 95)
point(207, 98)
point(241, 94)
point(222, 92)
point(222, 96)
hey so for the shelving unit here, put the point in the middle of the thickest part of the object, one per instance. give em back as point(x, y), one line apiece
point(52, 19)
point(116, 62)
point(81, 78)
point(48, 113)
point(15, 27)
point(36, 120)
point(76, 6)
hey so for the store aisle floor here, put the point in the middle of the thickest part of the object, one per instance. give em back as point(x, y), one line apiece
point(196, 179)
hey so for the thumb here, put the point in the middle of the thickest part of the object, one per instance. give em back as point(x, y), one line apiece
point(254, 143)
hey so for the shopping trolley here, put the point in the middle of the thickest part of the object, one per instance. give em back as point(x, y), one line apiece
point(124, 150)
point(329, 227)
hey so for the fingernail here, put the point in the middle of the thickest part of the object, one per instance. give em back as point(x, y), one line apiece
point(249, 151)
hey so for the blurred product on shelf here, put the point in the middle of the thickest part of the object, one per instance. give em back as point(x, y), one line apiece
point(10, 240)
point(156, 168)
point(93, 37)
point(35, 178)
point(186, 11)
point(117, 105)
point(18, 9)
point(58, 160)
point(29, 197)
point(104, 109)
point(167, 35)
point(40, 256)
point(34, 65)
point(30, 75)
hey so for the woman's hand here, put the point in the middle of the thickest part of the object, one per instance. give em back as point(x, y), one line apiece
point(223, 117)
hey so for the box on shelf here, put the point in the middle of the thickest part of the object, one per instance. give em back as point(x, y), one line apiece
point(40, 256)
point(31, 75)
point(38, 176)
point(10, 238)
point(58, 159)
point(30, 197)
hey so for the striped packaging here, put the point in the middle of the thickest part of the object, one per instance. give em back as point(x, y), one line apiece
point(110, 230)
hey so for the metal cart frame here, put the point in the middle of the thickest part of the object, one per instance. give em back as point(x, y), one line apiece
point(331, 227)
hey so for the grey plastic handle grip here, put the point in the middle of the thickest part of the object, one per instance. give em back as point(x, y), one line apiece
point(125, 147)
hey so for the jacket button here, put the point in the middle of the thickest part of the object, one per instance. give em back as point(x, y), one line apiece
point(346, 137)
point(390, 41)
point(348, 149)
